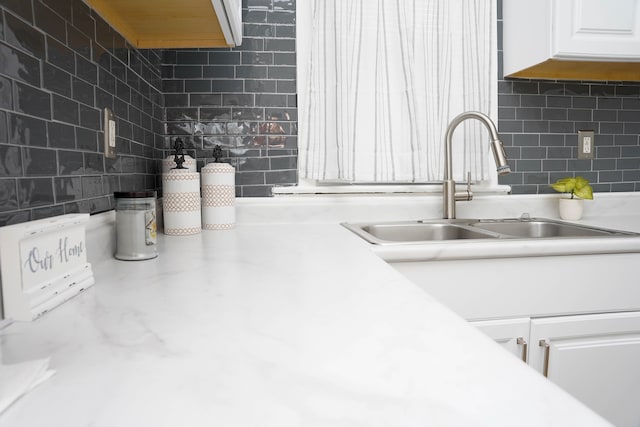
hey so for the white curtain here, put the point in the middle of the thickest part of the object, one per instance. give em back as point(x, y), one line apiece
point(379, 81)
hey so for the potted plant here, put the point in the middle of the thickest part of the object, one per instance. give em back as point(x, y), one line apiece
point(571, 207)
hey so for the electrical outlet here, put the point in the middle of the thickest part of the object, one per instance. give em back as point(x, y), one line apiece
point(109, 134)
point(586, 144)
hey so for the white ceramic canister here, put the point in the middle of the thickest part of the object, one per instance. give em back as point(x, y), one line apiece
point(169, 163)
point(181, 202)
point(218, 196)
point(135, 225)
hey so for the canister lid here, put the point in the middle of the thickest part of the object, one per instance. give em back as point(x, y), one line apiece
point(133, 194)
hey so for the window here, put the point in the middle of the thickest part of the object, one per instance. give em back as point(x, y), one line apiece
point(379, 81)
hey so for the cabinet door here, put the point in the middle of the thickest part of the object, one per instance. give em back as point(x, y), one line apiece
point(596, 358)
point(596, 29)
point(512, 334)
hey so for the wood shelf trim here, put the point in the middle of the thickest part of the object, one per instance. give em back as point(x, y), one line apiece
point(148, 24)
point(555, 69)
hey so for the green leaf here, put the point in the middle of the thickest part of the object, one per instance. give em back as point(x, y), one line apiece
point(564, 185)
point(581, 182)
point(585, 192)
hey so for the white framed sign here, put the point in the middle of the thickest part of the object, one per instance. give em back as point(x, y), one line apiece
point(43, 263)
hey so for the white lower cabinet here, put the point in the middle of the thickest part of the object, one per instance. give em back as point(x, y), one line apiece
point(594, 357)
point(588, 317)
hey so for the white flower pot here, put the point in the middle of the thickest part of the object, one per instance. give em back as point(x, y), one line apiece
point(571, 209)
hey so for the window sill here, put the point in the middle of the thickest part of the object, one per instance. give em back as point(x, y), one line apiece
point(322, 188)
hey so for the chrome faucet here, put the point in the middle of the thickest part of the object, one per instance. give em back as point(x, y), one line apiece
point(449, 195)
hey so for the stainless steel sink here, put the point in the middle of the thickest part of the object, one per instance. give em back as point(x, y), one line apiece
point(414, 232)
point(420, 231)
point(539, 228)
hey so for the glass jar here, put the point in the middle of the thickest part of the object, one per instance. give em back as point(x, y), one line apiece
point(135, 225)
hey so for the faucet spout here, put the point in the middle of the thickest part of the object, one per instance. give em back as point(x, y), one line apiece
point(449, 185)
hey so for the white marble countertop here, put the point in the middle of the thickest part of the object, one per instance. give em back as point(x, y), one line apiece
point(291, 324)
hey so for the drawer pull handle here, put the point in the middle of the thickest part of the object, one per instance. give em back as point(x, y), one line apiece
point(545, 365)
point(521, 341)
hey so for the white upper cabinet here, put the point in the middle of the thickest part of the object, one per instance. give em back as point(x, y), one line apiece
point(596, 29)
point(573, 39)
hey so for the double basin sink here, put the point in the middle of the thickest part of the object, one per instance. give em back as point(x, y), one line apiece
point(417, 232)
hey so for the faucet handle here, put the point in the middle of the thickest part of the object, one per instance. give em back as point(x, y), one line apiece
point(467, 194)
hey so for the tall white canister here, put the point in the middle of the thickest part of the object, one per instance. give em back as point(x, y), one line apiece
point(181, 202)
point(218, 196)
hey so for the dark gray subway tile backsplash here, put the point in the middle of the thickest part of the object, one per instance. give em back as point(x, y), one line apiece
point(539, 122)
point(242, 99)
point(61, 64)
